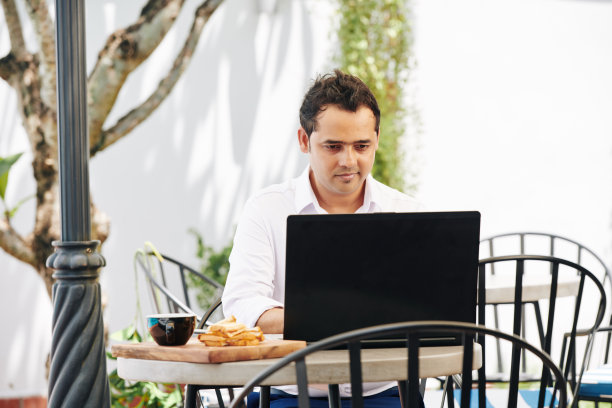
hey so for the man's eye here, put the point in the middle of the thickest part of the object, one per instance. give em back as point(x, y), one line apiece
point(332, 147)
point(362, 147)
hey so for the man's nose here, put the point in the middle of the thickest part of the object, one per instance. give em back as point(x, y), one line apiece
point(349, 157)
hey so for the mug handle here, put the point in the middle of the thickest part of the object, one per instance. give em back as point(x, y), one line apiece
point(170, 332)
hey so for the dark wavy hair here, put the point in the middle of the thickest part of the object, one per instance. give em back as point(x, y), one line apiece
point(343, 90)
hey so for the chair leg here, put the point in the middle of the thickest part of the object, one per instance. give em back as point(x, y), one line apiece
point(422, 386)
point(443, 393)
point(401, 387)
point(334, 396)
point(450, 393)
point(264, 396)
point(230, 392)
point(191, 394)
point(219, 398)
point(500, 368)
point(538, 315)
point(524, 334)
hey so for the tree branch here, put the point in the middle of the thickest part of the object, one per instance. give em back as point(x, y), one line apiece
point(100, 224)
point(140, 113)
point(44, 30)
point(15, 245)
point(14, 27)
point(8, 67)
point(124, 51)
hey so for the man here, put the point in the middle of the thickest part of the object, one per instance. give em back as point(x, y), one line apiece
point(339, 132)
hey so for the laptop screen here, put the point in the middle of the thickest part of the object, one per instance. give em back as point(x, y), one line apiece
point(349, 271)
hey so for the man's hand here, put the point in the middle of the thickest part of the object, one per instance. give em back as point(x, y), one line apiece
point(272, 320)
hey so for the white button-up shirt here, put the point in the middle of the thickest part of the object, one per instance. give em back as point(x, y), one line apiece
point(256, 279)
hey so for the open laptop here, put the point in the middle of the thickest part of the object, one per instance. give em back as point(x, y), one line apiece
point(349, 271)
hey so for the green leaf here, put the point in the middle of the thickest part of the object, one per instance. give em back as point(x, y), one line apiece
point(213, 264)
point(375, 43)
point(128, 334)
point(5, 165)
point(201, 251)
point(3, 183)
point(12, 212)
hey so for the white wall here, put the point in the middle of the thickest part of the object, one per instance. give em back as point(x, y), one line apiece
point(228, 128)
point(24, 353)
point(516, 104)
point(515, 99)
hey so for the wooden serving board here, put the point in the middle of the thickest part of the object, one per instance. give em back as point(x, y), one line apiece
point(197, 352)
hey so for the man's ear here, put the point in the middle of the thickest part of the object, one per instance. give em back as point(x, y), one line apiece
point(303, 140)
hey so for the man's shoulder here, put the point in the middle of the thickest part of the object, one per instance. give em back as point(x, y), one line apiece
point(286, 189)
point(273, 200)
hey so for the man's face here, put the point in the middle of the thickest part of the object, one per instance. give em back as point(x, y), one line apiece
point(342, 151)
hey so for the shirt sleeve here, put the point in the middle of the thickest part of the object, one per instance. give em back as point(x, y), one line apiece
point(250, 281)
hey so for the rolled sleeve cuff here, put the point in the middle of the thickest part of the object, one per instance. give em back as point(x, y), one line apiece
point(248, 311)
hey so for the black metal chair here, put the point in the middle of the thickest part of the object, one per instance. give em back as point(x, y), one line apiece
point(596, 384)
point(409, 384)
point(160, 274)
point(542, 243)
point(213, 313)
point(192, 391)
point(599, 387)
point(582, 312)
point(168, 284)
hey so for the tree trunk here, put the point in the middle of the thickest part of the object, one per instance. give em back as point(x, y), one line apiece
point(32, 76)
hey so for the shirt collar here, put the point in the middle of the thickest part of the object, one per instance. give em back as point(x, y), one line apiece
point(371, 198)
point(306, 201)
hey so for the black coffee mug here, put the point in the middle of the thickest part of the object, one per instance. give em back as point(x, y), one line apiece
point(171, 329)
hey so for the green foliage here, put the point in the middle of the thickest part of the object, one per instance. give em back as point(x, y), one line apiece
point(140, 393)
point(5, 166)
point(376, 45)
point(214, 265)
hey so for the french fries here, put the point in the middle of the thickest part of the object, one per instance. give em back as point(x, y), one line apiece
point(228, 332)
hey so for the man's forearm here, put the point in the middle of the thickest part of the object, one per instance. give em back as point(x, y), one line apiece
point(272, 320)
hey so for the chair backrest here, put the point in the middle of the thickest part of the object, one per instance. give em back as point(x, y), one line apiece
point(168, 282)
point(571, 299)
point(212, 315)
point(542, 243)
point(412, 332)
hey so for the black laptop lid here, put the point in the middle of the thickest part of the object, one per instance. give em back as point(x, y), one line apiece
point(349, 271)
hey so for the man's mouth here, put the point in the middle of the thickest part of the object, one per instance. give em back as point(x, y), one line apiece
point(346, 176)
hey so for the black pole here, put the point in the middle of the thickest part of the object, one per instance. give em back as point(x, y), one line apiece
point(78, 375)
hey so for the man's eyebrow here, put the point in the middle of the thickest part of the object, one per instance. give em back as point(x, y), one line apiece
point(363, 141)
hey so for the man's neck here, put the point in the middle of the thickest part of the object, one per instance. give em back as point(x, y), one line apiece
point(338, 204)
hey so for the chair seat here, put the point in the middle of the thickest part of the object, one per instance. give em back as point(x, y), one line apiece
point(597, 382)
